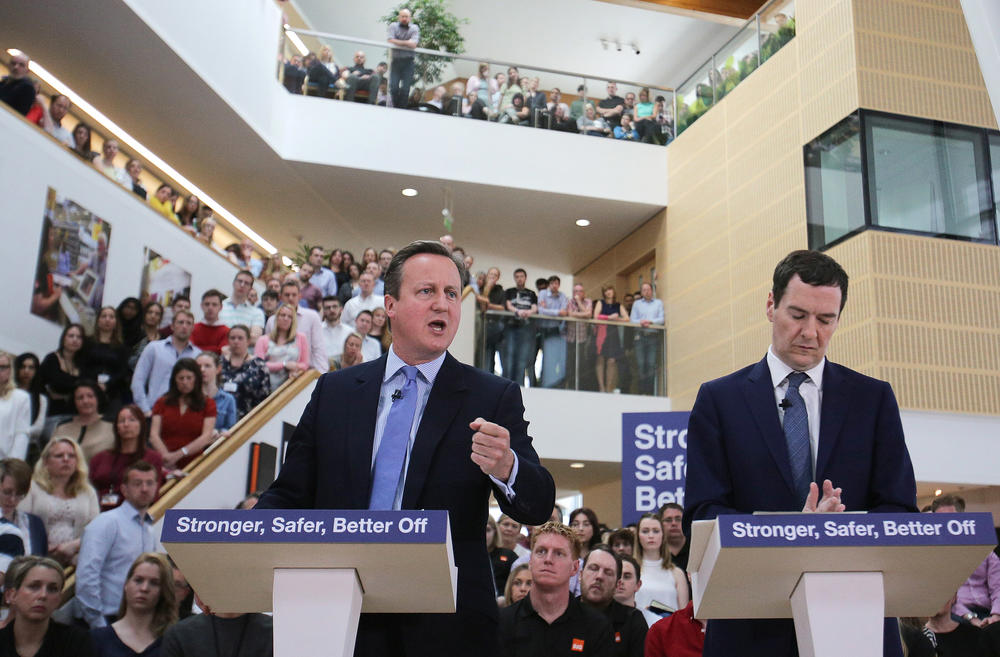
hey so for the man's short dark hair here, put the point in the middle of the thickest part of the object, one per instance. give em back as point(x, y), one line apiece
point(313, 248)
point(623, 535)
point(554, 279)
point(948, 500)
point(165, 185)
point(604, 547)
point(292, 282)
point(394, 273)
point(814, 268)
point(269, 294)
point(580, 89)
point(138, 466)
point(214, 293)
point(541, 282)
point(246, 272)
point(179, 298)
point(635, 564)
point(671, 505)
point(389, 251)
point(364, 312)
point(331, 297)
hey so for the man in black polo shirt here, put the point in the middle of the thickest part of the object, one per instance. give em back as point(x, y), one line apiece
point(601, 571)
point(549, 622)
point(612, 107)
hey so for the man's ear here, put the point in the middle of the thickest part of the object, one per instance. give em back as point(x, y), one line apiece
point(770, 306)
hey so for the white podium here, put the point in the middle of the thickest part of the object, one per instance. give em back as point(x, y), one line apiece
point(317, 570)
point(834, 571)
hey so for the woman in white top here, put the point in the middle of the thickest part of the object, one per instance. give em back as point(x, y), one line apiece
point(662, 582)
point(15, 412)
point(62, 497)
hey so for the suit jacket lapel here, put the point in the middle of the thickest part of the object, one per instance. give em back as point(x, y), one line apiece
point(759, 392)
point(362, 409)
point(834, 408)
point(442, 406)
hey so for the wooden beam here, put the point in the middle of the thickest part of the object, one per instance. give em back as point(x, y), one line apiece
point(742, 9)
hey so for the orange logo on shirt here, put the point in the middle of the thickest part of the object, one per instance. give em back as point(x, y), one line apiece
point(618, 637)
point(577, 645)
point(503, 557)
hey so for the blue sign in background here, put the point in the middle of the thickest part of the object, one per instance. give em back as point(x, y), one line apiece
point(654, 461)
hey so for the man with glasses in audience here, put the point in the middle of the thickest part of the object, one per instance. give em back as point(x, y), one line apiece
point(671, 515)
point(237, 309)
point(16, 89)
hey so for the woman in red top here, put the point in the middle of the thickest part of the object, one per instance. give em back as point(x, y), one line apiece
point(183, 419)
point(106, 467)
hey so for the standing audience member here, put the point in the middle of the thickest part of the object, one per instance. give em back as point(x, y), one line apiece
point(152, 315)
point(15, 412)
point(324, 279)
point(553, 303)
point(111, 542)
point(609, 345)
point(60, 370)
point(622, 541)
point(153, 378)
point(183, 421)
point(578, 335)
point(35, 592)
point(129, 313)
point(337, 267)
point(58, 108)
point(285, 350)
point(492, 297)
point(629, 582)
point(335, 332)
point(647, 311)
point(664, 585)
point(352, 352)
point(677, 635)
point(148, 607)
point(81, 142)
point(501, 559)
point(244, 376)
point(611, 108)
point(308, 323)
point(106, 361)
point(352, 286)
point(367, 299)
point(161, 202)
point(106, 164)
point(510, 534)
point(180, 302)
point(92, 432)
point(518, 585)
point(237, 309)
point(210, 334)
point(108, 467)
point(310, 296)
point(380, 329)
point(17, 89)
point(15, 481)
point(671, 514)
point(370, 347)
point(134, 170)
point(239, 635)
point(404, 36)
point(583, 522)
point(520, 333)
point(269, 302)
point(30, 381)
point(62, 497)
point(602, 569)
point(549, 621)
point(225, 403)
point(188, 213)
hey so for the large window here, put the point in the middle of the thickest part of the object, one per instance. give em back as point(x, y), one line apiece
point(874, 170)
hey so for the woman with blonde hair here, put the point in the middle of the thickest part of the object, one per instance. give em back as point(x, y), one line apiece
point(518, 584)
point(15, 412)
point(500, 557)
point(662, 581)
point(148, 608)
point(380, 328)
point(285, 350)
point(62, 497)
point(35, 591)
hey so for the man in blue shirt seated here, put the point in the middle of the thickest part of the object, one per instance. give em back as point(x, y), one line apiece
point(647, 311)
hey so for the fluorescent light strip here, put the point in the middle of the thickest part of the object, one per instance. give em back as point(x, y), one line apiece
point(297, 42)
point(151, 157)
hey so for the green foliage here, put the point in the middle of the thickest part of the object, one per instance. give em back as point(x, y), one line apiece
point(301, 253)
point(439, 30)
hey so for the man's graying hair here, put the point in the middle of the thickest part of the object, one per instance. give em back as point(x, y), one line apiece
point(394, 274)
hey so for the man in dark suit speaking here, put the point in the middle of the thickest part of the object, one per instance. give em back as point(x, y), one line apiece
point(416, 429)
point(761, 438)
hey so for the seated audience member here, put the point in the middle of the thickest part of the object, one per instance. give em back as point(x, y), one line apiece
point(917, 640)
point(148, 607)
point(583, 522)
point(517, 112)
point(371, 348)
point(62, 497)
point(106, 164)
point(319, 75)
point(368, 299)
point(626, 131)
point(510, 534)
point(629, 582)
point(308, 323)
point(501, 559)
point(111, 542)
point(58, 108)
point(978, 599)
point(294, 75)
point(352, 352)
point(612, 107)
point(244, 376)
point(360, 77)
point(152, 377)
point(17, 89)
point(81, 142)
point(35, 593)
point(437, 100)
point(602, 569)
point(591, 124)
point(352, 286)
point(556, 103)
point(518, 585)
point(225, 404)
point(576, 108)
point(562, 122)
point(285, 349)
point(92, 432)
point(211, 333)
point(134, 170)
point(152, 314)
point(183, 422)
point(677, 635)
point(60, 370)
point(380, 329)
point(664, 585)
point(549, 620)
point(15, 480)
point(310, 296)
point(951, 637)
point(335, 332)
point(534, 99)
point(184, 598)
point(15, 412)
point(326, 57)
point(30, 381)
point(107, 467)
point(621, 541)
point(474, 108)
point(161, 203)
point(245, 635)
point(670, 517)
point(106, 361)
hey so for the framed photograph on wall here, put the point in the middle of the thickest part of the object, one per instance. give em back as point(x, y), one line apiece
point(162, 281)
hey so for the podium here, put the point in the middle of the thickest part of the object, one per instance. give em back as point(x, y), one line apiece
point(836, 574)
point(317, 570)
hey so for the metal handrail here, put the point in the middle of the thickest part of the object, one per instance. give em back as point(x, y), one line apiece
point(548, 318)
point(450, 55)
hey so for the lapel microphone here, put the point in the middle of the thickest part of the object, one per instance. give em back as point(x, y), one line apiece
point(396, 396)
point(785, 403)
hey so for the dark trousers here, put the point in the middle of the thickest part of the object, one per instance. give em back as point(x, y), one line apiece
point(400, 78)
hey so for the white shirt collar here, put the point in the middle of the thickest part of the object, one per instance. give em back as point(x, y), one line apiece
point(429, 369)
point(780, 370)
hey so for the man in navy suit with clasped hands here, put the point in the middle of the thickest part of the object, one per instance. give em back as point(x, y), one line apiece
point(764, 437)
point(416, 429)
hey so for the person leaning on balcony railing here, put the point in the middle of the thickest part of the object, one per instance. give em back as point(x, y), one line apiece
point(492, 297)
point(161, 202)
point(404, 36)
point(134, 169)
point(52, 121)
point(81, 142)
point(17, 89)
point(187, 213)
point(106, 164)
point(244, 375)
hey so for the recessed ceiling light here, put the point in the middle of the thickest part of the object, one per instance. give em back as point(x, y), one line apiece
point(409, 191)
point(583, 223)
point(577, 465)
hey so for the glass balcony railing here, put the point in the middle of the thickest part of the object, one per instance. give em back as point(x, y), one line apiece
point(376, 73)
point(761, 37)
point(573, 354)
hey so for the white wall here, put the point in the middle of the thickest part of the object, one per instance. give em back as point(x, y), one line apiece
point(952, 447)
point(983, 19)
point(30, 163)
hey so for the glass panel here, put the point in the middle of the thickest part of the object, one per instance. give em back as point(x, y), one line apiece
point(834, 185)
point(694, 97)
point(995, 159)
point(736, 60)
point(777, 27)
point(929, 177)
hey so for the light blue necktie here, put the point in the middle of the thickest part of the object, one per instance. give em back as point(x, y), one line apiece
point(796, 426)
point(395, 438)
